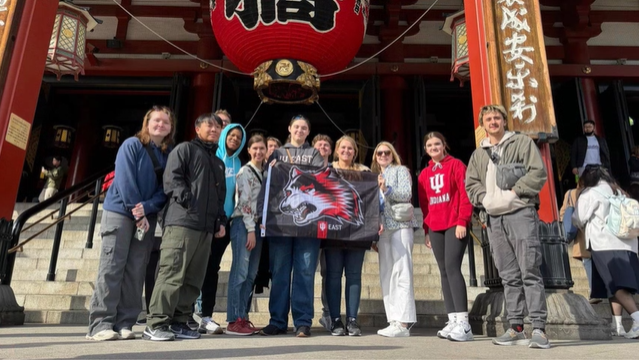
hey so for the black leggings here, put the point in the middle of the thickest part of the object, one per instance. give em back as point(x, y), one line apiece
point(449, 253)
point(209, 287)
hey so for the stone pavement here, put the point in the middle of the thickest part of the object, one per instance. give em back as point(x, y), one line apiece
point(67, 342)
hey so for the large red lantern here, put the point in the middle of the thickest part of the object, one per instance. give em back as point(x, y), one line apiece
point(287, 43)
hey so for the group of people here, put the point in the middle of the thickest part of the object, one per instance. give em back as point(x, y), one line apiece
point(610, 263)
point(204, 199)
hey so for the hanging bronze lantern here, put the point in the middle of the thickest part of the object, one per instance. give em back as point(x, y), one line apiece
point(68, 40)
point(455, 25)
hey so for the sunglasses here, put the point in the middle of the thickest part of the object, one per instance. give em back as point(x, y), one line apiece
point(383, 152)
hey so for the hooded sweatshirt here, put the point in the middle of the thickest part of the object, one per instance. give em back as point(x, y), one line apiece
point(232, 164)
point(442, 195)
point(481, 184)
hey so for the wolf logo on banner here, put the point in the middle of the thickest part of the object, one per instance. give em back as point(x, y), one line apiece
point(326, 203)
point(323, 194)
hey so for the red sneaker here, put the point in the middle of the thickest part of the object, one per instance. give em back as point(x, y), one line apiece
point(239, 327)
point(252, 327)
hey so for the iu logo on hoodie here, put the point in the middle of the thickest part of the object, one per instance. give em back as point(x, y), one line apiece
point(436, 184)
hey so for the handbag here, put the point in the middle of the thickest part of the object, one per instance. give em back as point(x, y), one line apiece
point(570, 230)
point(400, 212)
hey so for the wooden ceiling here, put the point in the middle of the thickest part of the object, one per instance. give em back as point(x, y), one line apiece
point(610, 27)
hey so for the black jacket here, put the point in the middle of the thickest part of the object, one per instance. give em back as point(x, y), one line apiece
point(194, 183)
point(579, 148)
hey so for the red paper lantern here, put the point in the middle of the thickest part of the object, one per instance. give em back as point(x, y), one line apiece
point(281, 38)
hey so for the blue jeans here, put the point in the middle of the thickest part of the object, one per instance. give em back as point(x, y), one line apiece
point(243, 270)
point(588, 267)
point(299, 256)
point(350, 262)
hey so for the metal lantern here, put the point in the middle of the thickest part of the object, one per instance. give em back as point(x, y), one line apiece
point(111, 136)
point(455, 25)
point(68, 40)
point(288, 45)
point(63, 136)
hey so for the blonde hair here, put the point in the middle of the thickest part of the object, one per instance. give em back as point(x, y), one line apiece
point(352, 141)
point(225, 113)
point(375, 167)
point(493, 108)
point(145, 137)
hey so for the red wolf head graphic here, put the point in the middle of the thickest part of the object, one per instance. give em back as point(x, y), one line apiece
point(312, 195)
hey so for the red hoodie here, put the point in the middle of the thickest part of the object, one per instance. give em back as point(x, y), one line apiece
point(442, 195)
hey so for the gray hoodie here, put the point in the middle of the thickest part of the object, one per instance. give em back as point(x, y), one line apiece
point(481, 183)
point(303, 155)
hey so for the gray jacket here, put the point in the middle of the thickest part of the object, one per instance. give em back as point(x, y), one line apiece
point(514, 148)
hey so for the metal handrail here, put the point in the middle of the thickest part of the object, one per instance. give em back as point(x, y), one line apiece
point(7, 257)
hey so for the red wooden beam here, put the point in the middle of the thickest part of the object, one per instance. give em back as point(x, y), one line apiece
point(147, 11)
point(113, 92)
point(145, 47)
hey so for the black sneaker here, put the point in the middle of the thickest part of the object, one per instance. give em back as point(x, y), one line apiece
point(353, 327)
point(163, 333)
point(272, 330)
point(337, 327)
point(303, 331)
point(183, 331)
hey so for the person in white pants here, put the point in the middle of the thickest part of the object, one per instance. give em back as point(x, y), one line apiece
point(396, 242)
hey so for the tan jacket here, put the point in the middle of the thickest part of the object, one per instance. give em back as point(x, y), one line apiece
point(579, 250)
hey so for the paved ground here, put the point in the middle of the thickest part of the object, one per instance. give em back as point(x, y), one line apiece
point(67, 342)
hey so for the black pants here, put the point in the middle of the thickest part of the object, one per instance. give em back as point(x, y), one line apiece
point(209, 288)
point(449, 253)
point(152, 271)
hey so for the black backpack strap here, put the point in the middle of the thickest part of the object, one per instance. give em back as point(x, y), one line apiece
point(156, 164)
point(255, 172)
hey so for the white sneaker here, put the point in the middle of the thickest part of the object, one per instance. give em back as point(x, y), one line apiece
point(386, 329)
point(208, 326)
point(443, 333)
point(461, 332)
point(103, 335)
point(634, 331)
point(620, 331)
point(126, 334)
point(394, 330)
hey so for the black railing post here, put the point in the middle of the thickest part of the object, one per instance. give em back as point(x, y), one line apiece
point(56, 240)
point(471, 262)
point(6, 242)
point(94, 214)
point(492, 279)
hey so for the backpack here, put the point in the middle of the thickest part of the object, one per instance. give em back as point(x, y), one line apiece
point(570, 230)
point(623, 217)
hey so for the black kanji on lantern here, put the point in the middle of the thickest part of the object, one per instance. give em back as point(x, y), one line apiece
point(320, 14)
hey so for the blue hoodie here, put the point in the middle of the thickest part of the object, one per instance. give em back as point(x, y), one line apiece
point(232, 164)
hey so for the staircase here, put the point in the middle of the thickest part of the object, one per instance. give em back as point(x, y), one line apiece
point(66, 300)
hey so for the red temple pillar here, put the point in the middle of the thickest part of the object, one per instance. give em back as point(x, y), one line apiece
point(484, 75)
point(85, 141)
point(20, 94)
point(203, 85)
point(393, 88)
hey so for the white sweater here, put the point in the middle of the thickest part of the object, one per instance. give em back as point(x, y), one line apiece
point(590, 212)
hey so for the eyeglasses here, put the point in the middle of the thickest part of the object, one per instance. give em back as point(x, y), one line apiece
point(383, 152)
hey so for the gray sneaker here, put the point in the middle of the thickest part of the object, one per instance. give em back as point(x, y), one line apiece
point(539, 340)
point(183, 331)
point(162, 333)
point(511, 337)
